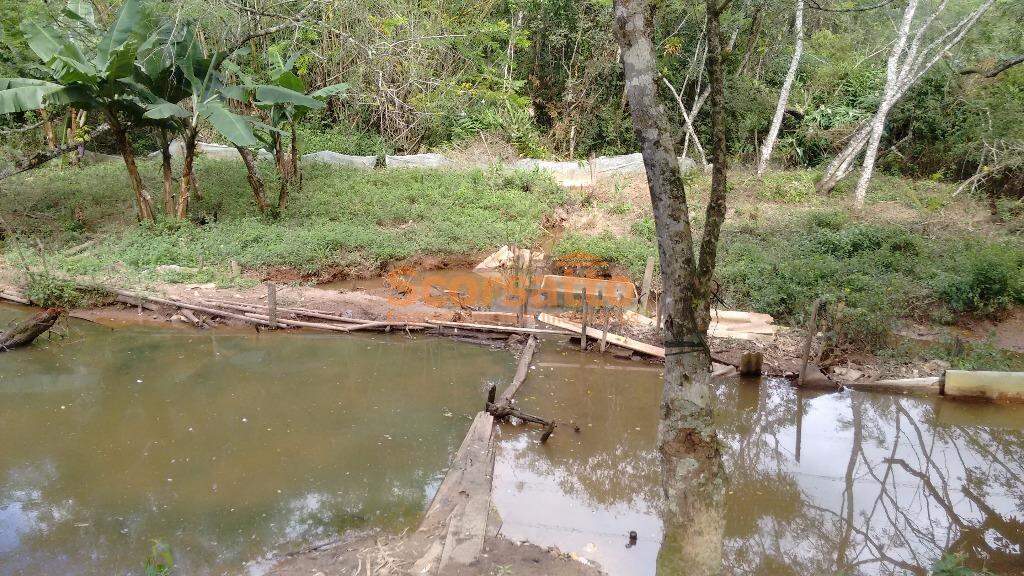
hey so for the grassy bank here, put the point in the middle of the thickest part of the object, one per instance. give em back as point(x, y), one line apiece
point(916, 254)
point(355, 220)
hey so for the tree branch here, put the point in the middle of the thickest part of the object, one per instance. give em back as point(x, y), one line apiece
point(998, 69)
point(39, 158)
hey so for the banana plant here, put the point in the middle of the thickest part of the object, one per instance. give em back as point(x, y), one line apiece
point(174, 67)
point(285, 102)
point(85, 67)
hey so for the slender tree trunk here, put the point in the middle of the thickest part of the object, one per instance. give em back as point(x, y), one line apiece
point(143, 201)
point(254, 177)
point(780, 110)
point(690, 133)
point(296, 173)
point(51, 137)
point(70, 134)
point(187, 171)
point(283, 170)
point(692, 474)
point(165, 160)
point(889, 96)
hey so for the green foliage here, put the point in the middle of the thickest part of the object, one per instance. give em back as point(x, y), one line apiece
point(953, 565)
point(341, 139)
point(341, 217)
point(160, 561)
point(984, 279)
point(788, 187)
point(50, 291)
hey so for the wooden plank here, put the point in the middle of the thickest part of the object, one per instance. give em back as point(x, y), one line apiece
point(447, 496)
point(272, 304)
point(246, 307)
point(521, 371)
point(645, 291)
point(635, 345)
point(497, 328)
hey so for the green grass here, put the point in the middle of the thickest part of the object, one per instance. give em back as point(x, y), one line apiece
point(342, 217)
point(879, 272)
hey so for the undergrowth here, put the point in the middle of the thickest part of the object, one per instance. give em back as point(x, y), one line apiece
point(878, 272)
point(340, 218)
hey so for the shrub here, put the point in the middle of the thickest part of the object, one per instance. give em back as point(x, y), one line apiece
point(985, 279)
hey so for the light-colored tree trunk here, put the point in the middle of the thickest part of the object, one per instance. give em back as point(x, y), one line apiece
point(787, 85)
point(913, 62)
point(889, 95)
point(693, 477)
point(690, 133)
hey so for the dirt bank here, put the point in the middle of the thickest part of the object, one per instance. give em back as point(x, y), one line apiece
point(383, 555)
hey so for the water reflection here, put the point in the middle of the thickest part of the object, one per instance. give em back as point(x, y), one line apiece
point(848, 483)
point(225, 446)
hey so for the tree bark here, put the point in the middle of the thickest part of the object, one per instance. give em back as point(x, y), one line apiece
point(254, 177)
point(26, 332)
point(165, 159)
point(51, 137)
point(692, 474)
point(787, 85)
point(187, 171)
point(889, 96)
point(283, 169)
point(143, 201)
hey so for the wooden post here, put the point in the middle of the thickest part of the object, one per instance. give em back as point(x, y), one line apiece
point(272, 304)
point(524, 310)
point(604, 334)
point(645, 290)
point(586, 312)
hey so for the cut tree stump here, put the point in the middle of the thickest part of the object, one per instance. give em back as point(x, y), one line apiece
point(25, 332)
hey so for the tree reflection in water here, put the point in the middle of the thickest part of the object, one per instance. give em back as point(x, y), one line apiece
point(850, 483)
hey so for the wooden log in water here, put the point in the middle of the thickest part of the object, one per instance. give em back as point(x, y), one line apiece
point(247, 307)
point(498, 328)
point(521, 371)
point(928, 385)
point(25, 332)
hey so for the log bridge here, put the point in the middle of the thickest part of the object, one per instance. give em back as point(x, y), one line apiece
point(460, 516)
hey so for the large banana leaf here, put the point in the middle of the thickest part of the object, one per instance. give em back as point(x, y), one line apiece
point(46, 41)
point(230, 125)
point(165, 110)
point(267, 94)
point(81, 11)
point(127, 24)
point(24, 94)
point(332, 90)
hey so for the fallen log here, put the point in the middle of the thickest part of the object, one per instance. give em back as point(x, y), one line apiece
point(14, 297)
point(635, 345)
point(25, 332)
point(521, 371)
point(336, 328)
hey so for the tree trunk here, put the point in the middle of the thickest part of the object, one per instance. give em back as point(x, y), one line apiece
point(187, 171)
point(283, 170)
point(692, 472)
point(296, 173)
point(69, 135)
point(254, 177)
point(889, 96)
point(24, 333)
point(51, 137)
point(165, 159)
point(780, 110)
point(143, 201)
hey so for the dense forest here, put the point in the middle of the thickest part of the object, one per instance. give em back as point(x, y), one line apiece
point(545, 77)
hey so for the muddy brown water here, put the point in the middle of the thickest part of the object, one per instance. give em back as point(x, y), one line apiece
point(226, 446)
point(847, 483)
point(232, 446)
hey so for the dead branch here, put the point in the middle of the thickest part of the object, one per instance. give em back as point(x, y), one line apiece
point(27, 331)
point(999, 68)
point(39, 158)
